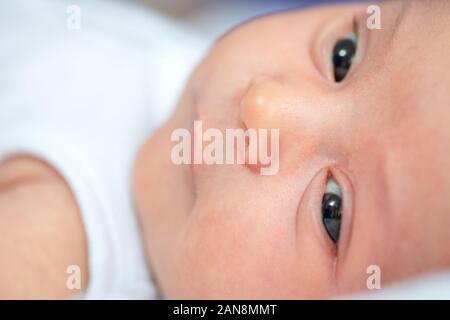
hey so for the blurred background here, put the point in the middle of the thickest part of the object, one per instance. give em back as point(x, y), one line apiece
point(211, 18)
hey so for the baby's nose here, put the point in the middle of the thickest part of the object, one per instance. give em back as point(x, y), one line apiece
point(263, 103)
point(308, 118)
point(300, 107)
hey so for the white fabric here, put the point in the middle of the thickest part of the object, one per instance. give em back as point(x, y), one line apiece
point(85, 100)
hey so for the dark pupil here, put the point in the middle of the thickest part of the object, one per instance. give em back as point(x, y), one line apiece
point(331, 215)
point(343, 54)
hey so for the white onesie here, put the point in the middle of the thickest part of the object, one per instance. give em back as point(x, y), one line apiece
point(84, 100)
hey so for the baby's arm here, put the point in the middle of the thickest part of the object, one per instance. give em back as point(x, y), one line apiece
point(41, 232)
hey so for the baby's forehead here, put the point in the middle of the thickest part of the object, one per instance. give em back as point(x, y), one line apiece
point(419, 17)
point(412, 40)
point(416, 39)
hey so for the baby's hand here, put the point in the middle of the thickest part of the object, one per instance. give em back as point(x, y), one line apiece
point(41, 232)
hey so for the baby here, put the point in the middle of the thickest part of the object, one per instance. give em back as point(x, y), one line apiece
point(363, 179)
point(376, 125)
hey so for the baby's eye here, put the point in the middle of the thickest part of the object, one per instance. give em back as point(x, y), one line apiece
point(343, 53)
point(331, 209)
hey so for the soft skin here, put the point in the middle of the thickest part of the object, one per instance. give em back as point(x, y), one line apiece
point(224, 231)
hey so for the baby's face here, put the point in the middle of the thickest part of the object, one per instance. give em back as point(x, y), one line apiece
point(382, 133)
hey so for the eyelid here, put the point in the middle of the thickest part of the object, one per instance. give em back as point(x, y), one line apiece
point(347, 206)
point(309, 227)
point(326, 39)
point(310, 210)
point(362, 33)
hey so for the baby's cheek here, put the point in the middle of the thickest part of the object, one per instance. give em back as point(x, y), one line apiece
point(224, 255)
point(212, 257)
